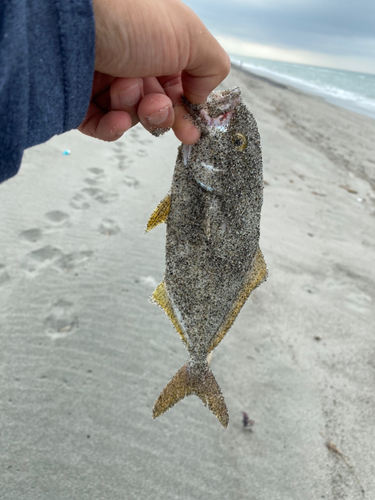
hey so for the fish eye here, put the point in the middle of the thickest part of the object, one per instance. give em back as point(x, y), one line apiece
point(239, 141)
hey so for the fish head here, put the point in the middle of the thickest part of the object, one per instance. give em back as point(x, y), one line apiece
point(229, 148)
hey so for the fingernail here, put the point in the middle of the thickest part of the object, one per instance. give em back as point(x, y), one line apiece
point(130, 96)
point(159, 116)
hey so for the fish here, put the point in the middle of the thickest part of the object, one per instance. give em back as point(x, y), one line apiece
point(213, 260)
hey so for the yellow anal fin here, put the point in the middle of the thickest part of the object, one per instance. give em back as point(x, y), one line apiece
point(160, 214)
point(203, 384)
point(161, 298)
point(256, 276)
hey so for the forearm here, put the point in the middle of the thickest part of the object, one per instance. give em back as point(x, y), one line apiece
point(47, 52)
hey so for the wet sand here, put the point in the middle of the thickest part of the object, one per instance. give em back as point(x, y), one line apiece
point(83, 354)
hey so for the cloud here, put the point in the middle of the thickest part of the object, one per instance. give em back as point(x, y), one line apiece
point(337, 30)
point(240, 47)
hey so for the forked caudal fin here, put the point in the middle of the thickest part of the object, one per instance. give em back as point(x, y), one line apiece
point(193, 380)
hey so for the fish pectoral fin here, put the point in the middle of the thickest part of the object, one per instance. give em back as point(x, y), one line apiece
point(203, 384)
point(161, 298)
point(160, 214)
point(255, 277)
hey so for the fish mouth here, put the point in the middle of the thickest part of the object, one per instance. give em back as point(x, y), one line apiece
point(220, 122)
point(218, 109)
point(223, 101)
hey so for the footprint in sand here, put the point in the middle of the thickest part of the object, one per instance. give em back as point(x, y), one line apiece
point(109, 227)
point(80, 202)
point(96, 171)
point(58, 218)
point(98, 176)
point(123, 161)
point(54, 257)
point(91, 182)
point(142, 152)
point(31, 235)
point(131, 181)
point(36, 260)
point(93, 192)
point(70, 261)
point(123, 166)
point(61, 320)
point(100, 195)
point(145, 141)
point(134, 134)
point(4, 276)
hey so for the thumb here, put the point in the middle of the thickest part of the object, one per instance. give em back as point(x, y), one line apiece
point(208, 65)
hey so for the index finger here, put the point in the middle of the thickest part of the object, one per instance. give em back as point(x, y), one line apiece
point(184, 129)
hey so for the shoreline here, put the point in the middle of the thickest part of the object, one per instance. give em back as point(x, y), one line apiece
point(346, 134)
point(342, 103)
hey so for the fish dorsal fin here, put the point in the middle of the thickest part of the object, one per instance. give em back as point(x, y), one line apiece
point(161, 298)
point(256, 276)
point(160, 214)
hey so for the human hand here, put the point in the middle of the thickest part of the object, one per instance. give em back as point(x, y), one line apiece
point(148, 54)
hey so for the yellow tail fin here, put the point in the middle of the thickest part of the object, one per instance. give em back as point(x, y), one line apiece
point(190, 380)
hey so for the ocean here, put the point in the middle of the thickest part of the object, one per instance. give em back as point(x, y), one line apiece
point(348, 89)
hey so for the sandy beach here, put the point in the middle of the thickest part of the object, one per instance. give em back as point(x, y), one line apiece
point(84, 355)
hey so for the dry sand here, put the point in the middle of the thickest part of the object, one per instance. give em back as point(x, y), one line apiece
point(84, 355)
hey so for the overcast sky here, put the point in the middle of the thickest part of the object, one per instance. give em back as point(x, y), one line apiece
point(336, 33)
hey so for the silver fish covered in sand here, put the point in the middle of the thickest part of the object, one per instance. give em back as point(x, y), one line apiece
point(213, 259)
